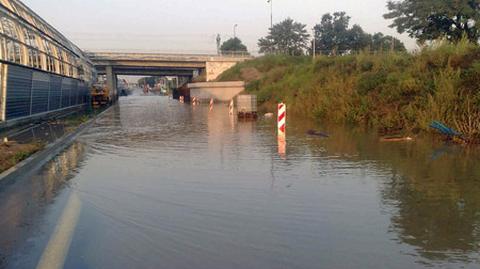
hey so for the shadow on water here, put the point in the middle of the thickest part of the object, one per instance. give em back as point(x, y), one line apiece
point(25, 202)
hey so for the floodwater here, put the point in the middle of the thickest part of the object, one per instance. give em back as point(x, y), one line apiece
point(45, 132)
point(158, 184)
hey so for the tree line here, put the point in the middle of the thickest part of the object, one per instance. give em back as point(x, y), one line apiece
point(423, 20)
point(332, 36)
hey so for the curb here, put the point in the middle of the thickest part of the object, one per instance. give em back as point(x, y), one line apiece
point(40, 158)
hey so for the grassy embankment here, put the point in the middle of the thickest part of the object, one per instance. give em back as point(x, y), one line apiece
point(395, 93)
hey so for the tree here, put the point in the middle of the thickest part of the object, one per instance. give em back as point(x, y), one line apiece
point(333, 36)
point(357, 39)
point(432, 19)
point(287, 37)
point(332, 33)
point(233, 45)
point(381, 42)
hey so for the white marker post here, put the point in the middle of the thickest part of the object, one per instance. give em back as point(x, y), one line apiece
point(231, 108)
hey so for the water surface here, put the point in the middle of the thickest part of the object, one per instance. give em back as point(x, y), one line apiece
point(166, 185)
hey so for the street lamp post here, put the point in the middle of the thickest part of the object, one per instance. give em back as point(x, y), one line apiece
point(314, 52)
point(235, 38)
point(271, 13)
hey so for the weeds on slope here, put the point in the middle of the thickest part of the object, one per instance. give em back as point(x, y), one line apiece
point(392, 92)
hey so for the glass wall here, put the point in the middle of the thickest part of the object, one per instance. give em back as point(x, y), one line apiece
point(32, 45)
point(39, 68)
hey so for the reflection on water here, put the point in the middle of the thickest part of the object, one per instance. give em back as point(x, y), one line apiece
point(165, 185)
point(437, 204)
point(430, 190)
point(24, 202)
point(46, 132)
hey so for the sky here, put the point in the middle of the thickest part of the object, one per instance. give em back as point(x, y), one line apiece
point(190, 26)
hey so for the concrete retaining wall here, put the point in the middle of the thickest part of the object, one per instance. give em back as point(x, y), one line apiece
point(215, 68)
point(220, 91)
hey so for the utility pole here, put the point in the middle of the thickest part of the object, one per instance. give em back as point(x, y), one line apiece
point(271, 13)
point(314, 44)
point(219, 41)
point(271, 21)
point(235, 38)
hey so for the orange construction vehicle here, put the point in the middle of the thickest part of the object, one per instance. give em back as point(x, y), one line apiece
point(100, 95)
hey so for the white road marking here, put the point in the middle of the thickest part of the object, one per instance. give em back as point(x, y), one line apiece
point(57, 248)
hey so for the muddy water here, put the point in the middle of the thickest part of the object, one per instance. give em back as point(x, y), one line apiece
point(165, 185)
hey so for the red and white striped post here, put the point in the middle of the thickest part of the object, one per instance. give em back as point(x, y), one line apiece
point(282, 119)
point(282, 128)
point(211, 104)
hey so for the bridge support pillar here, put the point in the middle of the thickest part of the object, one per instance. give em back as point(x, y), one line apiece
point(112, 82)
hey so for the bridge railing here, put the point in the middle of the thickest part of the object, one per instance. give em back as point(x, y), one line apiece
point(234, 54)
point(138, 53)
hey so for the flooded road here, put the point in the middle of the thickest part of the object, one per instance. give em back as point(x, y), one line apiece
point(158, 184)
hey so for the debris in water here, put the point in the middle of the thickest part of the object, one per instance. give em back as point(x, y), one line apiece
point(268, 115)
point(396, 139)
point(317, 133)
point(445, 130)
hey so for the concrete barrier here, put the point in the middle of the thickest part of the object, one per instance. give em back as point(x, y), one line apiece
point(220, 91)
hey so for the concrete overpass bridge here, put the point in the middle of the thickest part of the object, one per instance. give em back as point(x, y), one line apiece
point(113, 64)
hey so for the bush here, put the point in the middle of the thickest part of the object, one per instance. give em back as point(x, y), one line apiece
point(371, 81)
point(323, 62)
point(395, 92)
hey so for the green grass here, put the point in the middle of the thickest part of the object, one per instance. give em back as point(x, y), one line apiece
point(13, 153)
point(76, 120)
point(392, 92)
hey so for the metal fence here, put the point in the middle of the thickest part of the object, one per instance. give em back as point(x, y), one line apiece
point(29, 92)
